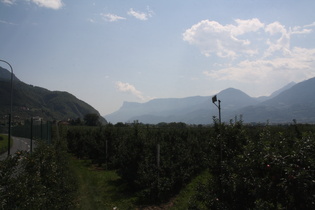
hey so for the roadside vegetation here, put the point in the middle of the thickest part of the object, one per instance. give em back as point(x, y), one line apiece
point(38, 180)
point(4, 143)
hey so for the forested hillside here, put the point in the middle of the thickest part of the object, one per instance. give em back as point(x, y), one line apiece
point(30, 101)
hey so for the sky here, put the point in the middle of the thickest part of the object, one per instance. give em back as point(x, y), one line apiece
point(106, 52)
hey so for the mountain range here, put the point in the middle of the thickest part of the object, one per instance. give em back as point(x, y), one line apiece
point(292, 102)
point(30, 101)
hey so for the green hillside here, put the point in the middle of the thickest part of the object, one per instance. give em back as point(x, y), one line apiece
point(30, 101)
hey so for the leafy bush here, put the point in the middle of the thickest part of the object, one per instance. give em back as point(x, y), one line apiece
point(275, 171)
point(3, 143)
point(37, 181)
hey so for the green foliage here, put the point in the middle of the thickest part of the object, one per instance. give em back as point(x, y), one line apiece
point(273, 171)
point(251, 167)
point(181, 201)
point(4, 143)
point(92, 119)
point(132, 151)
point(100, 189)
point(37, 181)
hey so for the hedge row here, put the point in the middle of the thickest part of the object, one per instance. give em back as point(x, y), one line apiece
point(155, 161)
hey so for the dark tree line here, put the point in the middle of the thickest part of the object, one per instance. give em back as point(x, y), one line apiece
point(91, 119)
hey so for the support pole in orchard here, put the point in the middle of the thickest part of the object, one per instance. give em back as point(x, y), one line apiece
point(31, 148)
point(158, 151)
point(214, 99)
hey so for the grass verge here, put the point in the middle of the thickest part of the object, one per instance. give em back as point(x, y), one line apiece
point(181, 201)
point(100, 189)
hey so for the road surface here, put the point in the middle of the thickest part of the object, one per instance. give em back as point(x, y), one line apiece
point(18, 144)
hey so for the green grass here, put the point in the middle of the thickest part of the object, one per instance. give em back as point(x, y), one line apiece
point(100, 189)
point(181, 201)
point(4, 143)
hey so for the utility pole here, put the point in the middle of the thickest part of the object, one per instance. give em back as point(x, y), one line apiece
point(214, 99)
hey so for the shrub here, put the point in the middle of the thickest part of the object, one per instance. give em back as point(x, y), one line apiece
point(275, 171)
point(37, 181)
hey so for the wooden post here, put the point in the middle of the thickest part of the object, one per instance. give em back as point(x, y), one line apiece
point(158, 148)
point(41, 129)
point(158, 156)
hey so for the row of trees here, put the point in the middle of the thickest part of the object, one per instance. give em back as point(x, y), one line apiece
point(251, 167)
point(89, 120)
point(155, 161)
point(268, 167)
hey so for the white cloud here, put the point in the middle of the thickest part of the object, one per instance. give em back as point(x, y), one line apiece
point(8, 1)
point(310, 25)
point(244, 38)
point(275, 28)
point(91, 20)
point(112, 17)
point(246, 26)
point(140, 15)
point(277, 44)
point(6, 22)
point(223, 40)
point(282, 43)
point(52, 4)
point(126, 87)
point(298, 30)
point(263, 51)
point(296, 66)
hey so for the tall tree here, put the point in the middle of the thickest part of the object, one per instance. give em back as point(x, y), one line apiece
point(92, 119)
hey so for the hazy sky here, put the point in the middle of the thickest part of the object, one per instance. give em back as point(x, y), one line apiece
point(108, 51)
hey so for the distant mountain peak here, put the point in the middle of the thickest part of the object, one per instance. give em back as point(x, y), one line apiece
point(232, 91)
point(286, 87)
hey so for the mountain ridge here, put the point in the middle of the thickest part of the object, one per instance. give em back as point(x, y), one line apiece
point(234, 102)
point(30, 101)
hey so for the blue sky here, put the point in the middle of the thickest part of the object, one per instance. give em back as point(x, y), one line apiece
point(106, 52)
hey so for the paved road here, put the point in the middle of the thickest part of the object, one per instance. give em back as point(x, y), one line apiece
point(18, 144)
